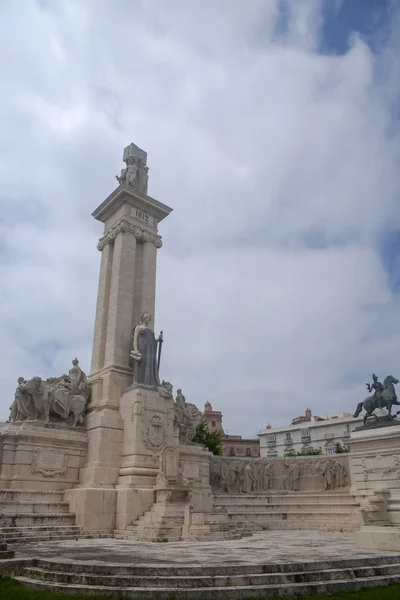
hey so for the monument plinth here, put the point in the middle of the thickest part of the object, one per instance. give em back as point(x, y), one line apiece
point(375, 475)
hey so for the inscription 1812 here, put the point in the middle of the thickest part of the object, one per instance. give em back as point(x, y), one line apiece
point(142, 215)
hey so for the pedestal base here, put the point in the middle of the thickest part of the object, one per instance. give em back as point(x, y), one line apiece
point(378, 538)
point(94, 508)
point(40, 456)
point(148, 428)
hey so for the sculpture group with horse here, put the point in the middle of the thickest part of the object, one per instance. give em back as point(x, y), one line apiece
point(384, 397)
point(54, 399)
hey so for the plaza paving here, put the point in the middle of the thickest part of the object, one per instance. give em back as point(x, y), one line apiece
point(264, 547)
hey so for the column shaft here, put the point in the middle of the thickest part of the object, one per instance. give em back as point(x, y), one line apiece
point(148, 279)
point(103, 297)
point(122, 298)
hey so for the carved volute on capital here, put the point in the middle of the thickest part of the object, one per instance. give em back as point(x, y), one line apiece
point(125, 226)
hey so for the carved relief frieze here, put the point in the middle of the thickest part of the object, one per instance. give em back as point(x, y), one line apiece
point(236, 476)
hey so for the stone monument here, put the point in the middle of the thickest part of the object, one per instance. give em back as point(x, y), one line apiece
point(116, 442)
point(128, 422)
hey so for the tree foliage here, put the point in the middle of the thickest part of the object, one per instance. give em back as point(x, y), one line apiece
point(339, 449)
point(211, 439)
point(309, 452)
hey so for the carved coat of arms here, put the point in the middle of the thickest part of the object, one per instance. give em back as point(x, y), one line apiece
point(153, 434)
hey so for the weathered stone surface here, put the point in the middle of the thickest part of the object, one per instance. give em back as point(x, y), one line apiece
point(267, 565)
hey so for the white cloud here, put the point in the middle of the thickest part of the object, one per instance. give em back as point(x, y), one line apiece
point(280, 164)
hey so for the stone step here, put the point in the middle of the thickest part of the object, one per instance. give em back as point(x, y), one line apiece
point(252, 579)
point(6, 554)
point(37, 528)
point(143, 537)
point(162, 512)
point(31, 496)
point(233, 593)
point(157, 520)
point(12, 508)
point(215, 536)
point(56, 537)
point(31, 519)
point(222, 506)
point(198, 570)
point(295, 512)
point(297, 497)
point(17, 535)
point(246, 501)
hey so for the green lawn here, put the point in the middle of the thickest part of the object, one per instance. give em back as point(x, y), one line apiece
point(13, 590)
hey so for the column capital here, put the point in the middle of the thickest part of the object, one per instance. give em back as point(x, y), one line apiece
point(123, 226)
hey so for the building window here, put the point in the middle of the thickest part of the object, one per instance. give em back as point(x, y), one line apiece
point(288, 438)
point(330, 450)
point(248, 451)
point(212, 423)
point(305, 433)
point(232, 451)
point(270, 437)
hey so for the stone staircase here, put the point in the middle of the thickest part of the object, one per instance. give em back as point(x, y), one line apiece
point(173, 522)
point(29, 508)
point(5, 552)
point(335, 511)
point(37, 515)
point(161, 582)
point(162, 523)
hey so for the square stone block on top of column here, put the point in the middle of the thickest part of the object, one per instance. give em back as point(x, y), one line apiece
point(148, 428)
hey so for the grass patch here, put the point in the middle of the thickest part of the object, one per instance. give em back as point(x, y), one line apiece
point(13, 590)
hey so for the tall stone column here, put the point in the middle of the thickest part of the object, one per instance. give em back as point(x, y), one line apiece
point(122, 294)
point(126, 288)
point(151, 243)
point(103, 297)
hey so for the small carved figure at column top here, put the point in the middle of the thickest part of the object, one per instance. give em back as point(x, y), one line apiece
point(135, 174)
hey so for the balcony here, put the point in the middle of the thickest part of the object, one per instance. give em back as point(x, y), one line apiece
point(305, 439)
point(271, 443)
point(288, 441)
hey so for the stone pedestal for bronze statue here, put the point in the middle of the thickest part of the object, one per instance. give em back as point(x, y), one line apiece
point(40, 456)
point(375, 475)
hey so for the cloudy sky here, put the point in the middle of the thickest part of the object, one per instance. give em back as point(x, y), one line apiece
point(271, 128)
